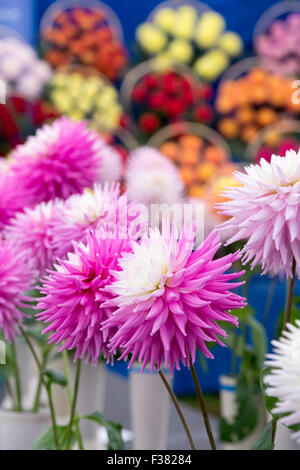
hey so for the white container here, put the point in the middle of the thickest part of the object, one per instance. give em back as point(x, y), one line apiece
point(18, 431)
point(60, 394)
point(229, 409)
point(91, 397)
point(149, 409)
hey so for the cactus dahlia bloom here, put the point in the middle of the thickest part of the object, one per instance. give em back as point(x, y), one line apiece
point(75, 295)
point(284, 380)
point(16, 277)
point(32, 231)
point(99, 208)
point(170, 298)
point(60, 160)
point(153, 179)
point(265, 211)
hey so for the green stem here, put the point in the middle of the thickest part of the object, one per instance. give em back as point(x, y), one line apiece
point(178, 409)
point(48, 388)
point(202, 406)
point(288, 311)
point(70, 397)
point(17, 378)
point(36, 403)
point(74, 402)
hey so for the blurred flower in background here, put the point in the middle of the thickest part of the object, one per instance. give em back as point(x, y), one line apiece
point(84, 35)
point(183, 34)
point(21, 69)
point(81, 94)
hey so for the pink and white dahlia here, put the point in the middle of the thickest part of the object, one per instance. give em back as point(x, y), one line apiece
point(12, 198)
point(60, 160)
point(16, 277)
point(111, 166)
point(283, 382)
point(101, 207)
point(153, 179)
point(75, 295)
point(170, 298)
point(265, 211)
point(32, 231)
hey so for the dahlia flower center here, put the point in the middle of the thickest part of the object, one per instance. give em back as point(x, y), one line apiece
point(147, 270)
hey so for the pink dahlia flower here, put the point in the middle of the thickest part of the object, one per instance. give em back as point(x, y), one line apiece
point(75, 294)
point(16, 277)
point(60, 160)
point(152, 178)
point(170, 298)
point(265, 211)
point(99, 208)
point(12, 199)
point(32, 231)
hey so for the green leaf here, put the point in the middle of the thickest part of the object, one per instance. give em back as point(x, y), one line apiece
point(264, 442)
point(114, 431)
point(46, 440)
point(55, 377)
point(246, 417)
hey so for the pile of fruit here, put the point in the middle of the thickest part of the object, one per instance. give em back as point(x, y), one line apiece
point(165, 97)
point(253, 102)
point(90, 97)
point(85, 36)
point(198, 160)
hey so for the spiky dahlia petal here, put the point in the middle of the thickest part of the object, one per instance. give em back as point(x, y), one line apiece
point(265, 211)
point(60, 160)
point(75, 294)
point(16, 277)
point(101, 207)
point(153, 179)
point(170, 298)
point(283, 382)
point(32, 231)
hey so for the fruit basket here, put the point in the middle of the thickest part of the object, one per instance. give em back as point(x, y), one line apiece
point(84, 32)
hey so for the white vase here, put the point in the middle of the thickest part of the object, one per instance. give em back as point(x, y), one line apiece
point(60, 394)
point(229, 410)
point(18, 431)
point(149, 409)
point(284, 440)
point(28, 373)
point(91, 398)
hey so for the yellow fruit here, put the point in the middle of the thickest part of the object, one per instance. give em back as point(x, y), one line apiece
point(231, 43)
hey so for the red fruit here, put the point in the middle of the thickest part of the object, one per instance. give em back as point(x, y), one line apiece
point(19, 104)
point(149, 123)
point(175, 107)
point(150, 81)
point(205, 92)
point(125, 121)
point(156, 100)
point(203, 113)
point(172, 83)
point(139, 93)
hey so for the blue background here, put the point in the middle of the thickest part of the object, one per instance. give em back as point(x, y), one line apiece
point(241, 15)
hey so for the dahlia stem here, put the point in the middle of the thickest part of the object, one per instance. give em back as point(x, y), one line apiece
point(74, 402)
point(178, 409)
point(70, 397)
point(36, 403)
point(202, 406)
point(48, 388)
point(289, 304)
point(18, 407)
